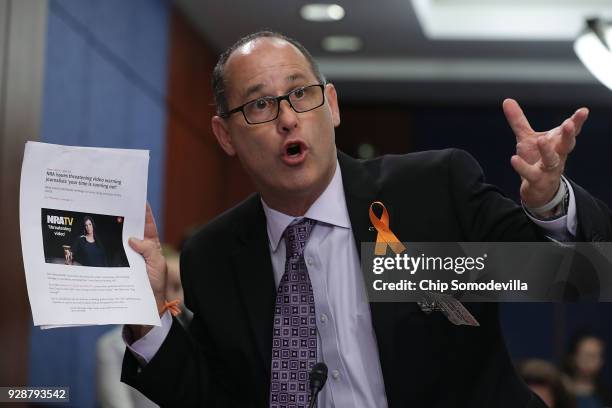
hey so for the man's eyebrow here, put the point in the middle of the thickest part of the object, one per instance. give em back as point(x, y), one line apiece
point(251, 90)
point(295, 77)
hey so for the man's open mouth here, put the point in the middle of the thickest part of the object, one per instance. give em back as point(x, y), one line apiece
point(294, 153)
point(294, 149)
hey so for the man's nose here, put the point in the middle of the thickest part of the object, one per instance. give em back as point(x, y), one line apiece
point(287, 117)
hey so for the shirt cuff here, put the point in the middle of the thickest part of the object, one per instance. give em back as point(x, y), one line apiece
point(145, 348)
point(563, 228)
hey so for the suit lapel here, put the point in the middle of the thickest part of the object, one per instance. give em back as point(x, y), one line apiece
point(361, 190)
point(252, 269)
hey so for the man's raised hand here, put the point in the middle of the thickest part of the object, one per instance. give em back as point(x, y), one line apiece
point(150, 249)
point(540, 156)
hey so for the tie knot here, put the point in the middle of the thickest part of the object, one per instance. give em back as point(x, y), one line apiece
point(296, 236)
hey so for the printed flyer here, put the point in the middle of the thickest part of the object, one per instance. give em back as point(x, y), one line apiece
point(78, 208)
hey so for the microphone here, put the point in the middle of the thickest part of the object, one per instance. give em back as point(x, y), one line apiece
point(317, 378)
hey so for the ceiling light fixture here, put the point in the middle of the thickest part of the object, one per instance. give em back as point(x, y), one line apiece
point(594, 48)
point(322, 12)
point(341, 43)
point(504, 20)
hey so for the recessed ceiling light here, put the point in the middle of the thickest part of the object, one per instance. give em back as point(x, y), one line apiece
point(322, 12)
point(341, 43)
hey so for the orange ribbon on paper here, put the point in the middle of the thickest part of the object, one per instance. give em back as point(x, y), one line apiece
point(385, 236)
point(172, 306)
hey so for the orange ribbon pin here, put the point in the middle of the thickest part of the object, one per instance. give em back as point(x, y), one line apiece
point(172, 306)
point(385, 236)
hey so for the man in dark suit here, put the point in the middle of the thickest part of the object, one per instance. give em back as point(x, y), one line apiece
point(258, 327)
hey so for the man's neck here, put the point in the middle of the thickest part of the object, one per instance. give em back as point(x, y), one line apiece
point(297, 207)
point(294, 204)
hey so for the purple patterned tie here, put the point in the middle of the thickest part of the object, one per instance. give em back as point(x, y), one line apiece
point(294, 342)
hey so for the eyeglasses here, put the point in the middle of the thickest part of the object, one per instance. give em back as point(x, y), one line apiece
point(266, 109)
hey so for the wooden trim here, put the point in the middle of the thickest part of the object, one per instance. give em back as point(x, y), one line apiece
point(201, 180)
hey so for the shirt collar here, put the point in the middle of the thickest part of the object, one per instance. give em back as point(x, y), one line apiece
point(329, 208)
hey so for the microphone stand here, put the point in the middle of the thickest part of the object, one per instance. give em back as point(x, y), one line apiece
point(313, 399)
point(317, 378)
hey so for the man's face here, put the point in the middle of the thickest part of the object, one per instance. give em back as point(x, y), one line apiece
point(294, 154)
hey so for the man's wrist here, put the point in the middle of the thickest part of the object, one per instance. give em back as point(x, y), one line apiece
point(137, 332)
point(556, 207)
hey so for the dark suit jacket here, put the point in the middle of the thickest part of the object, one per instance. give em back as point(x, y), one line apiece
point(426, 361)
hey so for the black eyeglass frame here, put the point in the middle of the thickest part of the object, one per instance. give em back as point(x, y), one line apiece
point(278, 99)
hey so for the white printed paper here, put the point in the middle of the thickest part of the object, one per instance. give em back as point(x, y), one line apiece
point(78, 207)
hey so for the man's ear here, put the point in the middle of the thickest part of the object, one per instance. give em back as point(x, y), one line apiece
point(221, 131)
point(332, 100)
